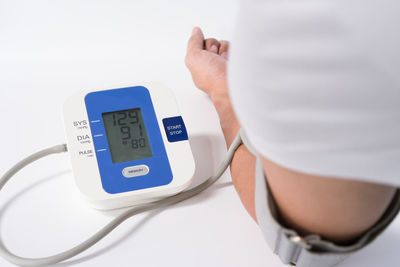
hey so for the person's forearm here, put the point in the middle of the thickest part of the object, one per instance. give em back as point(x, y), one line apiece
point(243, 163)
point(229, 123)
point(243, 172)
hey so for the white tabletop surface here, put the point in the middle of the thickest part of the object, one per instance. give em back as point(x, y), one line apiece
point(50, 49)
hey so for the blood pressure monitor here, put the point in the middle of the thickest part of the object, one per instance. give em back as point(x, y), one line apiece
point(128, 146)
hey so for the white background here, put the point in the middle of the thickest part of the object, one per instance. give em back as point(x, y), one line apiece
point(51, 49)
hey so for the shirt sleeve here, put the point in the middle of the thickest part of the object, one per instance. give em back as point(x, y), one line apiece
point(316, 85)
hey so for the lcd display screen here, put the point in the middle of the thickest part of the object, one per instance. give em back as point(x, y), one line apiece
point(127, 135)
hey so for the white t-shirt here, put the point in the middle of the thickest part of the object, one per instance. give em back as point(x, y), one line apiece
point(316, 85)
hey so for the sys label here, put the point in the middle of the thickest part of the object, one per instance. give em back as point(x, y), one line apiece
point(175, 129)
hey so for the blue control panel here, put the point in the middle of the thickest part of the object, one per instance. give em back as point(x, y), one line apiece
point(150, 166)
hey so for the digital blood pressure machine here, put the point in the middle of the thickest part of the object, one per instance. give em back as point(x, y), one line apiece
point(128, 146)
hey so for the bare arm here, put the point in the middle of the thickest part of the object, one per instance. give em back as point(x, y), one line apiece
point(337, 209)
